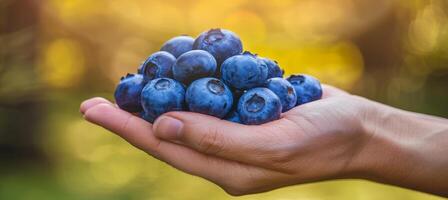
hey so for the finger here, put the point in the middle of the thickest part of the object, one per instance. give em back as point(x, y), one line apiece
point(92, 102)
point(330, 91)
point(210, 135)
point(139, 133)
point(131, 128)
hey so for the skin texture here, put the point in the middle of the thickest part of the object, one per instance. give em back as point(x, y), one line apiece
point(284, 90)
point(193, 65)
point(178, 45)
point(158, 65)
point(244, 71)
point(127, 93)
point(339, 136)
point(209, 96)
point(259, 106)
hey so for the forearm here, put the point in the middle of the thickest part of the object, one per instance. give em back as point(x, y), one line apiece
point(405, 149)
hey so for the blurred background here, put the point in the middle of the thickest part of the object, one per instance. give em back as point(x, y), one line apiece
point(56, 53)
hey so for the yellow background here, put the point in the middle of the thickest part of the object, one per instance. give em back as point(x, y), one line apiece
point(80, 49)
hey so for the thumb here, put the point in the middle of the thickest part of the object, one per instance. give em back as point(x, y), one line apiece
point(211, 135)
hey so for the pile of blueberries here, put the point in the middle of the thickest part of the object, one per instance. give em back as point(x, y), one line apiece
point(212, 75)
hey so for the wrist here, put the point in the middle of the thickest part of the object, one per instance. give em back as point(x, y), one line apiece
point(402, 148)
point(374, 146)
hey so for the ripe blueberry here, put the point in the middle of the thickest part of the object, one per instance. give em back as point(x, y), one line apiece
point(178, 45)
point(233, 116)
point(193, 65)
point(221, 43)
point(273, 69)
point(258, 106)
point(209, 96)
point(284, 90)
point(244, 71)
point(158, 65)
point(307, 88)
point(127, 93)
point(146, 117)
point(162, 95)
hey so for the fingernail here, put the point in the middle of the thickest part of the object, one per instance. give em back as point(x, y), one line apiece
point(167, 128)
point(89, 103)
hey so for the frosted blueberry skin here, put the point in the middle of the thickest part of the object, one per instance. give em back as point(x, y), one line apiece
point(193, 65)
point(158, 65)
point(162, 95)
point(259, 106)
point(284, 90)
point(146, 117)
point(209, 96)
point(221, 43)
point(274, 69)
point(178, 45)
point(233, 116)
point(307, 88)
point(244, 71)
point(127, 92)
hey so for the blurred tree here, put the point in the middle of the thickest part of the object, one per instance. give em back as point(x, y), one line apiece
point(55, 53)
point(393, 72)
point(382, 50)
point(20, 97)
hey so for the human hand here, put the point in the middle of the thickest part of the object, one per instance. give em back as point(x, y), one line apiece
point(315, 141)
point(339, 136)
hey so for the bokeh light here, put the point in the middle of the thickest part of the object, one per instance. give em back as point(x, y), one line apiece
point(62, 63)
point(56, 53)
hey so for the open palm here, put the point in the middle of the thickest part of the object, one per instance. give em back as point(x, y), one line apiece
point(315, 141)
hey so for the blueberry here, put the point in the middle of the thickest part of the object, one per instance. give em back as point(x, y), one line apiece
point(162, 95)
point(158, 65)
point(146, 117)
point(273, 69)
point(233, 116)
point(221, 43)
point(284, 90)
point(236, 96)
point(193, 65)
point(258, 106)
point(178, 45)
point(127, 93)
point(209, 96)
point(307, 88)
point(244, 71)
